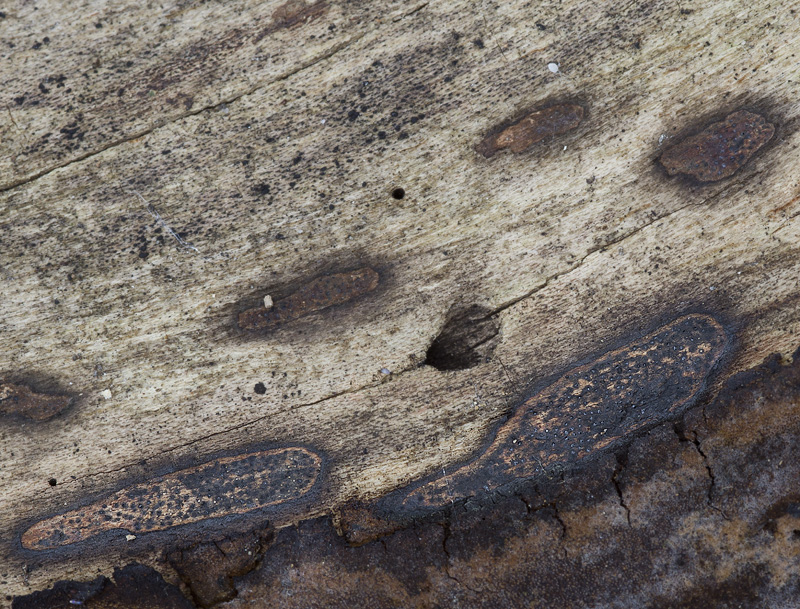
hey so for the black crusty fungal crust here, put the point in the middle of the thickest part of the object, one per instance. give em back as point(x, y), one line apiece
point(222, 487)
point(588, 410)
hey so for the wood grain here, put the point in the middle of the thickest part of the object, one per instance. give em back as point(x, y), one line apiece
point(205, 156)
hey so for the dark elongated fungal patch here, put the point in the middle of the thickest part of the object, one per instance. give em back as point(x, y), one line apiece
point(536, 126)
point(720, 149)
point(22, 400)
point(588, 409)
point(295, 12)
point(323, 292)
point(222, 487)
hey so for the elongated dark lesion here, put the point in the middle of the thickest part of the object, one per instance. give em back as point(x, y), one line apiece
point(721, 149)
point(17, 399)
point(587, 410)
point(532, 128)
point(217, 488)
point(319, 294)
point(295, 12)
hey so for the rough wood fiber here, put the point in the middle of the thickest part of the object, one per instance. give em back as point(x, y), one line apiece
point(166, 166)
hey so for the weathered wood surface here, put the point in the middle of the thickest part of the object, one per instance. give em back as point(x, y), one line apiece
point(195, 158)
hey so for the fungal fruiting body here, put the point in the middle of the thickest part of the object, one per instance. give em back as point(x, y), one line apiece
point(532, 128)
point(720, 149)
point(588, 409)
point(321, 293)
point(222, 487)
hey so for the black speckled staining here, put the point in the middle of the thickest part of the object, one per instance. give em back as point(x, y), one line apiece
point(321, 293)
point(720, 149)
point(22, 400)
point(536, 126)
point(223, 487)
point(588, 409)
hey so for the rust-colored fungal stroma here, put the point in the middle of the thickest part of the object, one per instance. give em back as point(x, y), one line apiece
point(588, 409)
point(222, 487)
point(321, 293)
point(721, 149)
point(532, 128)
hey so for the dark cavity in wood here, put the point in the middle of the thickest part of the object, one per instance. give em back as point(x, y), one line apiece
point(22, 400)
point(208, 569)
point(721, 149)
point(467, 339)
point(587, 410)
point(218, 488)
point(536, 126)
point(321, 293)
